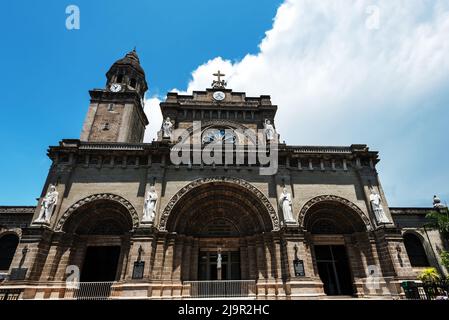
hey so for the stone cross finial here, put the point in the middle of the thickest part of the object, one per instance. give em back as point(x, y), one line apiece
point(218, 83)
point(218, 75)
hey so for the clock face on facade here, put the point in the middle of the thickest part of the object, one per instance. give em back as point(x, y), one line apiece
point(115, 87)
point(219, 95)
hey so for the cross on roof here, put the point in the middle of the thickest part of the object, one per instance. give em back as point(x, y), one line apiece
point(218, 84)
point(218, 75)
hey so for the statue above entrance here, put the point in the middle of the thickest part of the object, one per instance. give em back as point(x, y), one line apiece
point(48, 205)
point(270, 133)
point(149, 209)
point(285, 202)
point(167, 128)
point(376, 204)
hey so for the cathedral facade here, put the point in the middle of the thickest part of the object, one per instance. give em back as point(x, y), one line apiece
point(197, 208)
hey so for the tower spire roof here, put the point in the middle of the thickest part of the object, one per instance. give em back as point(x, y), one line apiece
point(130, 59)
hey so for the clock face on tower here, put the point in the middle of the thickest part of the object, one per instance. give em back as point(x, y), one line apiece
point(219, 95)
point(115, 87)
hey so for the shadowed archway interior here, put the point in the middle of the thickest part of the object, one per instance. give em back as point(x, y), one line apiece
point(101, 217)
point(8, 246)
point(219, 208)
point(331, 217)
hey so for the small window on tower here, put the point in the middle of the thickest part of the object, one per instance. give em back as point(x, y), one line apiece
point(111, 107)
point(106, 126)
point(133, 83)
point(119, 78)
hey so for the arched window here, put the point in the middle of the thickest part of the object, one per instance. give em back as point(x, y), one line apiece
point(415, 251)
point(225, 135)
point(8, 246)
point(119, 78)
point(133, 83)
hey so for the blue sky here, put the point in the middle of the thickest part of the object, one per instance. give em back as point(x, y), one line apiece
point(347, 75)
point(48, 69)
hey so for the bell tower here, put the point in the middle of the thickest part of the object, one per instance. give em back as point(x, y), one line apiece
point(116, 112)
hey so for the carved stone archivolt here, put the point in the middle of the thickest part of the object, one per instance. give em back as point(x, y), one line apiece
point(96, 197)
point(236, 181)
point(15, 231)
point(336, 199)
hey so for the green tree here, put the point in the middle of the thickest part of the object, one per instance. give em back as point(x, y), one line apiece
point(439, 219)
point(445, 259)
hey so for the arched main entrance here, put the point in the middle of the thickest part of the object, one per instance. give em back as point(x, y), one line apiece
point(331, 221)
point(222, 225)
point(100, 229)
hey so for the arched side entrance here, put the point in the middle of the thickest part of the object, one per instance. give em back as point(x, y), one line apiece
point(99, 229)
point(333, 223)
point(8, 246)
point(218, 222)
point(415, 250)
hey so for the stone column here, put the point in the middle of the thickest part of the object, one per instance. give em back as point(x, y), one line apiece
point(158, 258)
point(167, 272)
point(57, 260)
point(147, 254)
point(60, 272)
point(261, 267)
point(187, 252)
point(194, 260)
point(244, 267)
point(261, 263)
point(278, 257)
point(177, 259)
point(122, 266)
point(267, 244)
point(252, 259)
point(309, 253)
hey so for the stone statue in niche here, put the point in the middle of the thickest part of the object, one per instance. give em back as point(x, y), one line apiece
point(149, 208)
point(167, 128)
point(285, 202)
point(48, 205)
point(270, 133)
point(376, 204)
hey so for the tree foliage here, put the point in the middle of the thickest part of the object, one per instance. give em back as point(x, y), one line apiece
point(439, 220)
point(429, 275)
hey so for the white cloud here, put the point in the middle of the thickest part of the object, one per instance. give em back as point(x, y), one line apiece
point(154, 117)
point(346, 83)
